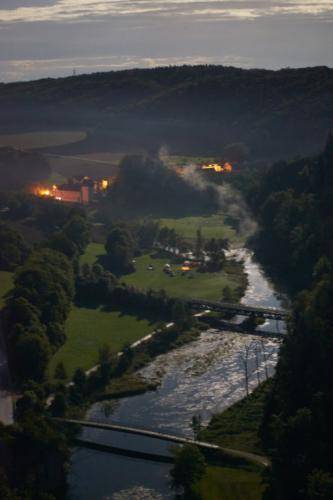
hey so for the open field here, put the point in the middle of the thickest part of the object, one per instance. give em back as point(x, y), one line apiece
point(93, 251)
point(230, 484)
point(6, 283)
point(37, 140)
point(212, 226)
point(89, 329)
point(194, 284)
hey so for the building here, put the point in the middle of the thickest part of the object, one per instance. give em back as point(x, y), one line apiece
point(79, 189)
point(75, 191)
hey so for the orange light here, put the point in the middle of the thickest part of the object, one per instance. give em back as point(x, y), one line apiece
point(227, 167)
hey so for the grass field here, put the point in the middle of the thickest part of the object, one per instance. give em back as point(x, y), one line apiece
point(223, 483)
point(212, 226)
point(36, 140)
point(93, 251)
point(195, 284)
point(6, 283)
point(89, 329)
point(200, 285)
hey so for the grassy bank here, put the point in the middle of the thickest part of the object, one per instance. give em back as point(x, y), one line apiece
point(238, 426)
point(6, 283)
point(89, 329)
point(230, 484)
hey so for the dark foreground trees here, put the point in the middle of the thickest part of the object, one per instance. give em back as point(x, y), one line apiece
point(298, 423)
point(188, 469)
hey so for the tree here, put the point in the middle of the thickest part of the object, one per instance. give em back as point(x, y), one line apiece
point(179, 314)
point(105, 368)
point(59, 405)
point(120, 248)
point(188, 469)
point(60, 371)
point(320, 485)
point(13, 248)
point(62, 243)
point(80, 379)
point(77, 230)
point(227, 295)
point(198, 244)
point(196, 425)
point(32, 354)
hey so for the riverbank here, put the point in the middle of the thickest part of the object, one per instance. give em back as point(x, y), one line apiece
point(203, 377)
point(239, 425)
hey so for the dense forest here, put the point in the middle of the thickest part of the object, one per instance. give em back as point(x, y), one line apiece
point(293, 202)
point(187, 109)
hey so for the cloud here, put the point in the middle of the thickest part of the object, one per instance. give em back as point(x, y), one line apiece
point(31, 68)
point(74, 10)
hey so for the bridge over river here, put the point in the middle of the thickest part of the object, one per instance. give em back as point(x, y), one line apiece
point(239, 309)
point(205, 447)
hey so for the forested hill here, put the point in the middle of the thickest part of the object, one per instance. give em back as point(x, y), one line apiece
point(293, 201)
point(188, 109)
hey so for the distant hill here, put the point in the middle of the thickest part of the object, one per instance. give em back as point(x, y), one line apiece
point(188, 109)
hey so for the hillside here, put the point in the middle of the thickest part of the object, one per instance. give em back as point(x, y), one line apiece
point(197, 109)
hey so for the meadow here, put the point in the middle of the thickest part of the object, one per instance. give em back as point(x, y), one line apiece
point(193, 284)
point(38, 140)
point(88, 330)
point(211, 226)
point(230, 484)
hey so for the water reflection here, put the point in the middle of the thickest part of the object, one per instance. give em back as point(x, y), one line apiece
point(203, 377)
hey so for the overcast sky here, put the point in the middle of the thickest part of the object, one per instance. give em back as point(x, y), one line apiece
point(42, 38)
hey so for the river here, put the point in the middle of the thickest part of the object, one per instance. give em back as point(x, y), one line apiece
point(200, 378)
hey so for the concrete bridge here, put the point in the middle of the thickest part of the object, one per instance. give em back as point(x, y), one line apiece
point(213, 449)
point(238, 309)
point(140, 432)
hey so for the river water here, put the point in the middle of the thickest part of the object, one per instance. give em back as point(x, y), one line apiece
point(200, 378)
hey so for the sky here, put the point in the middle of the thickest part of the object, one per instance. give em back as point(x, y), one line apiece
point(52, 38)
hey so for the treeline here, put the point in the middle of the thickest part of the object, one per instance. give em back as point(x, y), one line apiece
point(98, 286)
point(146, 185)
point(294, 204)
point(38, 306)
point(189, 108)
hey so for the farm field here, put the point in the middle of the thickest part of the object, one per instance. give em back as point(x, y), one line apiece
point(89, 329)
point(38, 140)
point(212, 226)
point(230, 484)
point(6, 283)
